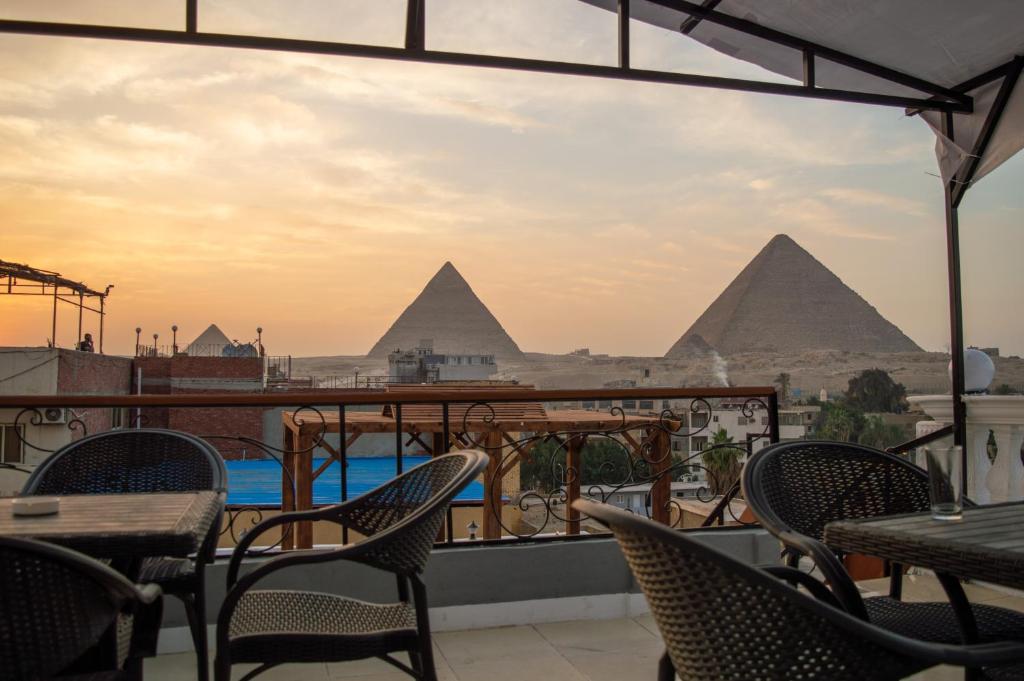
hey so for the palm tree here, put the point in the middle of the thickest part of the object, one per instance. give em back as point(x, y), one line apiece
point(722, 460)
point(782, 380)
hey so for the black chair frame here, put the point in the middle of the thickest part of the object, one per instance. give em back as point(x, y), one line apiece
point(813, 638)
point(759, 476)
point(181, 578)
point(38, 612)
point(378, 549)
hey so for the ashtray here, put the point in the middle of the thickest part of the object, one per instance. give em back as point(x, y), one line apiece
point(35, 505)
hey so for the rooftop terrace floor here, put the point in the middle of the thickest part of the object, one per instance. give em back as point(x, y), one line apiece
point(624, 649)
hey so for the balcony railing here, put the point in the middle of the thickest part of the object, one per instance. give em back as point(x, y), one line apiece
point(546, 449)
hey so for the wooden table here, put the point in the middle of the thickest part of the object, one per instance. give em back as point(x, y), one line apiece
point(122, 526)
point(987, 544)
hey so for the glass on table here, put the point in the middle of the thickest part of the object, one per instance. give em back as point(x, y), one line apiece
point(945, 482)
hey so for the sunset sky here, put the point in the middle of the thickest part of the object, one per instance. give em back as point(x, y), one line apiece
point(315, 196)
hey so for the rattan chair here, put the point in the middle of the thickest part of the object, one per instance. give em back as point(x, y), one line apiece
point(400, 521)
point(724, 620)
point(795, 488)
point(57, 604)
point(139, 461)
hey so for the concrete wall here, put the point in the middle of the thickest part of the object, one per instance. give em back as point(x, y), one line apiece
point(478, 586)
point(55, 371)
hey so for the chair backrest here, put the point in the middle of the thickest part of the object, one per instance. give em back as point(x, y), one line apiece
point(130, 461)
point(722, 619)
point(802, 486)
point(54, 605)
point(402, 518)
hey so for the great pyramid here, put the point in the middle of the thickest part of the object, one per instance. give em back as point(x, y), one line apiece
point(785, 300)
point(448, 312)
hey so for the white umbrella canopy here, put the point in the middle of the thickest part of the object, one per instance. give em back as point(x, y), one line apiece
point(947, 43)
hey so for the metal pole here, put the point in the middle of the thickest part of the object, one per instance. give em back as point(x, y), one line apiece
point(53, 333)
point(81, 303)
point(103, 301)
point(956, 317)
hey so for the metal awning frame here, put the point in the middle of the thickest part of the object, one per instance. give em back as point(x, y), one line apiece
point(13, 278)
point(950, 101)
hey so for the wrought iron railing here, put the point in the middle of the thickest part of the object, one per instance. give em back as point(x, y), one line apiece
point(546, 448)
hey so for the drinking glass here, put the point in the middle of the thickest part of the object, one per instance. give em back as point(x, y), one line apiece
point(945, 489)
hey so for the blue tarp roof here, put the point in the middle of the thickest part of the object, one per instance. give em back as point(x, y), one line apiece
point(258, 481)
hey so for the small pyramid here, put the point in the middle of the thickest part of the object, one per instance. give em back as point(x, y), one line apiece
point(785, 300)
point(448, 312)
point(209, 343)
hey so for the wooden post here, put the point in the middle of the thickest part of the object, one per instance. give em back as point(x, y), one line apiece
point(574, 472)
point(660, 458)
point(304, 489)
point(492, 486)
point(287, 492)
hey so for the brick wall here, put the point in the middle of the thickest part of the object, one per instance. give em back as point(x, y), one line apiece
point(181, 375)
point(87, 373)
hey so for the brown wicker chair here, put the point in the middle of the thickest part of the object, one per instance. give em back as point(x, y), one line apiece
point(727, 621)
point(138, 461)
point(794, 489)
point(400, 521)
point(56, 604)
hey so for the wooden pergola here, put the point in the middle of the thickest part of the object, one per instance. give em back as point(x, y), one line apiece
point(491, 427)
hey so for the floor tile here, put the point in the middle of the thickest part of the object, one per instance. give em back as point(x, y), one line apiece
point(502, 643)
point(599, 636)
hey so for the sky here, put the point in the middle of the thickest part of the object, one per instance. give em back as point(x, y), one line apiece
point(315, 196)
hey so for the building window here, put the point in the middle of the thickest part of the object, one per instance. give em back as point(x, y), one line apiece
point(620, 498)
point(116, 418)
point(629, 404)
point(715, 418)
point(12, 447)
point(698, 444)
point(647, 404)
point(665, 404)
point(588, 404)
point(605, 404)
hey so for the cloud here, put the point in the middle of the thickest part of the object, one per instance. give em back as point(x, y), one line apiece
point(866, 197)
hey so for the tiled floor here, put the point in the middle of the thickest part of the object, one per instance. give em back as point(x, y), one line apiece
point(589, 650)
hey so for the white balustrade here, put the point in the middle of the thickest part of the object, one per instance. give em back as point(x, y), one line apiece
point(988, 482)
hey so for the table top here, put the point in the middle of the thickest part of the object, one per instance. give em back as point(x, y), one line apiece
point(986, 544)
point(122, 525)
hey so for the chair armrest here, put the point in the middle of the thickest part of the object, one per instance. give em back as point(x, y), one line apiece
point(800, 578)
point(245, 542)
point(843, 588)
point(148, 593)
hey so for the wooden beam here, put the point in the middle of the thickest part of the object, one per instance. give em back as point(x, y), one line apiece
point(289, 445)
point(660, 460)
point(574, 469)
point(492, 486)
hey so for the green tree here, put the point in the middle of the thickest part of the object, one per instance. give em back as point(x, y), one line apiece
point(879, 434)
point(782, 380)
point(723, 462)
point(873, 390)
point(839, 422)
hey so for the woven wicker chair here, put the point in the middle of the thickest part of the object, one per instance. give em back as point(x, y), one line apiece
point(56, 604)
point(400, 521)
point(724, 620)
point(139, 461)
point(796, 488)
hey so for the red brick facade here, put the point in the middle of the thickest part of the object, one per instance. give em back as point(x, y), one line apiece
point(206, 375)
